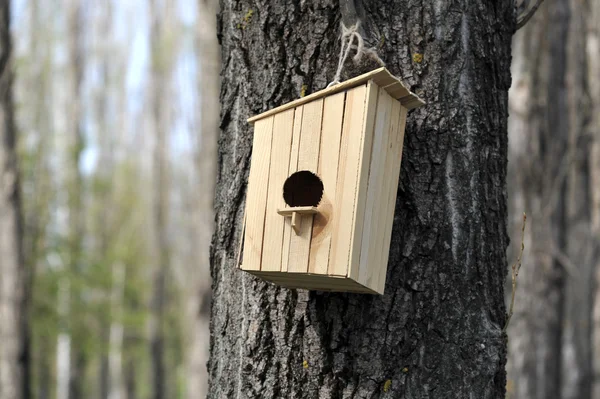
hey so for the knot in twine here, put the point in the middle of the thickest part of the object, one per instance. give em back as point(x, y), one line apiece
point(349, 34)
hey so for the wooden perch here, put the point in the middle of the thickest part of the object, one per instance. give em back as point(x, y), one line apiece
point(295, 213)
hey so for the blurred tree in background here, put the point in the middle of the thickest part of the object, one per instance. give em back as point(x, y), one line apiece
point(554, 175)
point(13, 299)
point(111, 109)
point(108, 115)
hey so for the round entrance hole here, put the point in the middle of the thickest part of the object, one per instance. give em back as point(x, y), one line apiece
point(303, 188)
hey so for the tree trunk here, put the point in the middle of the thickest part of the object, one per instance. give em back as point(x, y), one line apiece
point(69, 356)
point(32, 87)
point(438, 330)
point(160, 108)
point(538, 146)
point(199, 295)
point(130, 383)
point(551, 153)
point(12, 273)
point(593, 66)
point(115, 354)
point(43, 379)
point(580, 251)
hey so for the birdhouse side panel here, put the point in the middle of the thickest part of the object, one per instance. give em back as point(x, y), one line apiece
point(281, 148)
point(320, 244)
point(347, 180)
point(376, 241)
point(362, 179)
point(256, 199)
point(376, 186)
point(388, 204)
point(308, 159)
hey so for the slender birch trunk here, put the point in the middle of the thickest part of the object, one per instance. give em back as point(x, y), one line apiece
point(593, 65)
point(160, 113)
point(115, 356)
point(12, 272)
point(69, 379)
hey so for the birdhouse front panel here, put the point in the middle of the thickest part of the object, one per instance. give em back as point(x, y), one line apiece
point(322, 186)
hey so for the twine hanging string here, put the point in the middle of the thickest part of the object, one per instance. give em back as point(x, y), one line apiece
point(349, 34)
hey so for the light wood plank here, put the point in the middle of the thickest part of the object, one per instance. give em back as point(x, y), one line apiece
point(410, 102)
point(308, 159)
point(362, 179)
point(314, 282)
point(283, 125)
point(383, 81)
point(293, 167)
point(378, 257)
point(302, 210)
point(381, 76)
point(346, 182)
point(333, 116)
point(372, 229)
point(397, 90)
point(393, 160)
point(256, 200)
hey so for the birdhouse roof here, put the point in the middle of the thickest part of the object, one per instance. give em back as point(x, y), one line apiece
point(382, 77)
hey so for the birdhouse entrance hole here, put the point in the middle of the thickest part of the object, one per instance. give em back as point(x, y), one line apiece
point(303, 188)
point(302, 192)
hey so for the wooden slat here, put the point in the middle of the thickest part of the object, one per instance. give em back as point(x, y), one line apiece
point(397, 90)
point(362, 179)
point(283, 125)
point(372, 232)
point(256, 199)
point(314, 282)
point(393, 159)
point(308, 210)
point(347, 180)
point(308, 159)
point(381, 76)
point(293, 166)
point(384, 80)
point(333, 115)
point(411, 102)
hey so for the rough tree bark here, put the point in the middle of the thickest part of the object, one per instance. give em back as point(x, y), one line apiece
point(12, 273)
point(437, 331)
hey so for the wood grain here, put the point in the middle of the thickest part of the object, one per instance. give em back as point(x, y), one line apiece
point(333, 115)
point(308, 159)
point(348, 165)
point(364, 162)
point(372, 232)
point(380, 76)
point(256, 200)
point(393, 159)
point(293, 167)
point(283, 125)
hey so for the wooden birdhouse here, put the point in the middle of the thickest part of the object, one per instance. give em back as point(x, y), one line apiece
point(322, 186)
